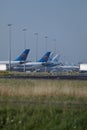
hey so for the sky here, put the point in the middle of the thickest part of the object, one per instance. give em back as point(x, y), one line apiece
point(64, 22)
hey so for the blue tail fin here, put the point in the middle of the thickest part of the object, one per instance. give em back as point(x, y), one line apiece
point(23, 56)
point(45, 57)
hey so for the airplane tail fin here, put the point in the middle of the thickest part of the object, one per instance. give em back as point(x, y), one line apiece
point(51, 57)
point(45, 57)
point(23, 55)
point(55, 59)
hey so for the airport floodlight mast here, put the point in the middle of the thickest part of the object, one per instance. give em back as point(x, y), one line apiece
point(36, 34)
point(54, 44)
point(46, 37)
point(9, 25)
point(24, 30)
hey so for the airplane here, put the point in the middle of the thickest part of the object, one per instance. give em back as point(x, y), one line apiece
point(69, 68)
point(19, 60)
point(54, 61)
point(31, 66)
point(47, 65)
point(54, 65)
point(65, 68)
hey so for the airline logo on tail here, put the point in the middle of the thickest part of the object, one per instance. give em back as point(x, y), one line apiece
point(45, 57)
point(23, 56)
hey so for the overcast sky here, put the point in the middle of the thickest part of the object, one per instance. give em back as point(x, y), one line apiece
point(63, 20)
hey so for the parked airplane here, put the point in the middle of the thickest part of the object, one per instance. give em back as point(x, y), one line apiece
point(64, 68)
point(69, 68)
point(54, 65)
point(31, 66)
point(54, 61)
point(20, 59)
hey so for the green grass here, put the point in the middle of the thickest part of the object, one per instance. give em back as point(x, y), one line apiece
point(42, 117)
point(43, 105)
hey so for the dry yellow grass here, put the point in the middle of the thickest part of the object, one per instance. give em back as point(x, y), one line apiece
point(28, 88)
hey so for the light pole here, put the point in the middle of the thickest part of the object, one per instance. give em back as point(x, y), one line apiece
point(24, 30)
point(46, 37)
point(54, 43)
point(36, 34)
point(9, 25)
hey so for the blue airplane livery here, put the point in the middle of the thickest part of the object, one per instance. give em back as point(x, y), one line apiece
point(45, 57)
point(23, 56)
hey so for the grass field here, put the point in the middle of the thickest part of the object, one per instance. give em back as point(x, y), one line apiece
point(43, 105)
point(48, 88)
